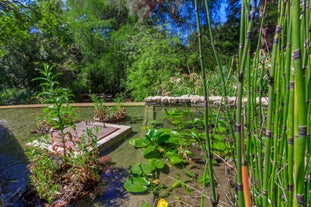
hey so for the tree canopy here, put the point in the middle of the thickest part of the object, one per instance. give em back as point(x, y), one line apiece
point(104, 46)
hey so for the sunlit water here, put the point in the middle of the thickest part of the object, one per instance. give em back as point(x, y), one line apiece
point(15, 130)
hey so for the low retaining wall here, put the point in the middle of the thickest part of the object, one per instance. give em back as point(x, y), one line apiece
point(194, 100)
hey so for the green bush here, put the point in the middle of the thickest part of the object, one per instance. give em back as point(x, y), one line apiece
point(16, 96)
point(154, 59)
point(65, 174)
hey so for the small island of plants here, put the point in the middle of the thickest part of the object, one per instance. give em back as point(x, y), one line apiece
point(65, 175)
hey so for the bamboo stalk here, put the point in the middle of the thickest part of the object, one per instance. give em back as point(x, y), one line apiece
point(238, 126)
point(207, 147)
point(269, 129)
point(301, 116)
point(220, 69)
point(246, 190)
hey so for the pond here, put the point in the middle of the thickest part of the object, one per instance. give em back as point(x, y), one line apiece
point(16, 126)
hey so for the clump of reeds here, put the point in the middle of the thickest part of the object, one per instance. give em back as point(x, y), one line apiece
point(272, 145)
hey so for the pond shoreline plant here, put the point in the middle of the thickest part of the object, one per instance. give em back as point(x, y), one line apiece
point(108, 114)
point(64, 174)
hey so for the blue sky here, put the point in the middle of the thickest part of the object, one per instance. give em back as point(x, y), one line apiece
point(186, 24)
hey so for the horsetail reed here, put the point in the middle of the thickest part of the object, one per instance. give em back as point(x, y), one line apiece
point(238, 126)
point(207, 145)
point(300, 131)
point(220, 68)
point(276, 142)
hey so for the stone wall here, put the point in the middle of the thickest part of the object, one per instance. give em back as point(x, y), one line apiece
point(194, 100)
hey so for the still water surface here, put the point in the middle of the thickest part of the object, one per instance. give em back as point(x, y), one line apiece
point(15, 130)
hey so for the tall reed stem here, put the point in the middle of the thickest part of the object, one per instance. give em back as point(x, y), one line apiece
point(238, 127)
point(220, 69)
point(207, 147)
point(300, 131)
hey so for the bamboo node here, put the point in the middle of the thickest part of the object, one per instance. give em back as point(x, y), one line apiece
point(268, 134)
point(290, 141)
point(302, 130)
point(296, 54)
point(239, 187)
point(241, 76)
point(290, 187)
point(300, 199)
point(238, 128)
point(265, 193)
point(287, 87)
point(278, 29)
point(275, 40)
point(306, 44)
point(249, 34)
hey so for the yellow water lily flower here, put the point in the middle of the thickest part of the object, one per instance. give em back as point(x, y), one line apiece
point(162, 203)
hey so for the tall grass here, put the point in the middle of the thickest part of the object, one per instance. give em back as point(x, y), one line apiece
point(272, 150)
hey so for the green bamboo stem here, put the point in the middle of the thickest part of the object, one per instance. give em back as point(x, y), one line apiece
point(290, 116)
point(300, 131)
point(289, 113)
point(260, 58)
point(207, 148)
point(271, 106)
point(255, 150)
point(220, 69)
point(242, 32)
point(277, 118)
point(290, 138)
point(238, 128)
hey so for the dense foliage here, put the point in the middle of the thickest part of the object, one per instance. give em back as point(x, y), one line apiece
point(103, 46)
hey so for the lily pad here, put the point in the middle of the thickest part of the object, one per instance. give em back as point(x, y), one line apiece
point(136, 184)
point(139, 143)
point(157, 163)
point(141, 169)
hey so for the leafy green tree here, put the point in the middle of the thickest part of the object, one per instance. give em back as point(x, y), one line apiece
point(154, 59)
point(31, 34)
point(15, 19)
point(94, 23)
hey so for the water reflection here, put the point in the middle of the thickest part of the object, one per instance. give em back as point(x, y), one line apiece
point(13, 169)
point(113, 192)
point(15, 130)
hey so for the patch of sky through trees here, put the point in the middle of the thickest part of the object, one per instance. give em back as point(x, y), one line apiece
point(181, 20)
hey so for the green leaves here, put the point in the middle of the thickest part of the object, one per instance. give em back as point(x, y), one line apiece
point(139, 143)
point(141, 169)
point(174, 158)
point(141, 173)
point(153, 61)
point(60, 113)
point(156, 137)
point(136, 184)
point(157, 163)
